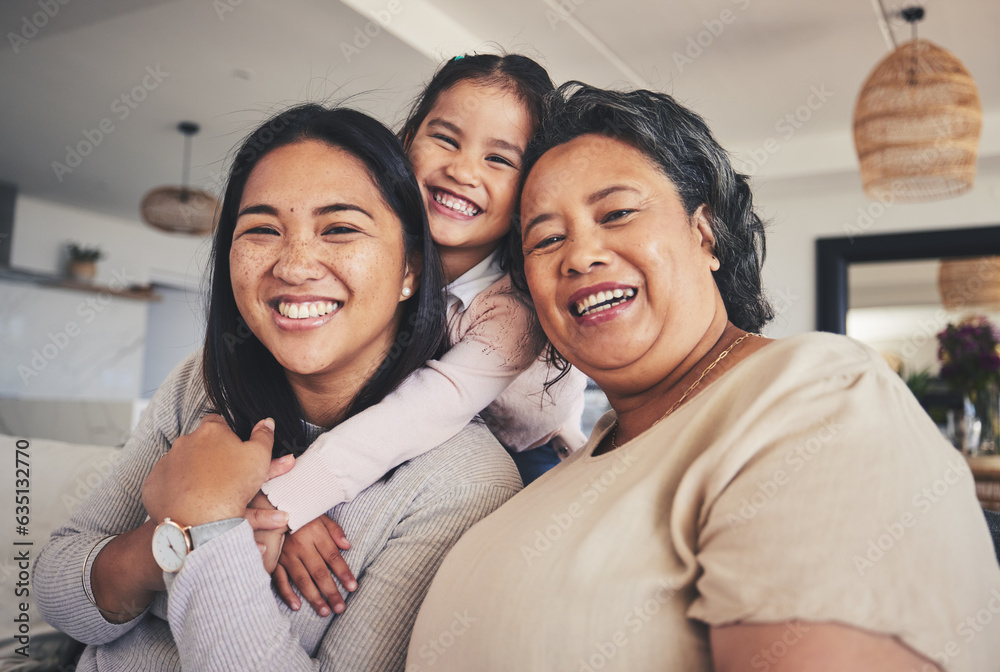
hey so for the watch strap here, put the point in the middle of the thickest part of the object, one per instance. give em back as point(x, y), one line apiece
point(200, 534)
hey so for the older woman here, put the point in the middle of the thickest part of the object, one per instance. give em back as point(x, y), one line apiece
point(749, 504)
point(326, 294)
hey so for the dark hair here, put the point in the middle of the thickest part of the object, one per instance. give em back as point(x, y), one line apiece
point(244, 381)
point(680, 143)
point(518, 74)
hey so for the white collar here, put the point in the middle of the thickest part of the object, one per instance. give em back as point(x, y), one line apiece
point(466, 286)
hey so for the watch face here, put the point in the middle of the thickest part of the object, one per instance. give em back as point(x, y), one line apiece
point(170, 546)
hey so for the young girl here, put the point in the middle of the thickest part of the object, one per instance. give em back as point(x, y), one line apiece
point(465, 137)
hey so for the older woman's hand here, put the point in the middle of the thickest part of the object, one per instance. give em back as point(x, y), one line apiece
point(209, 474)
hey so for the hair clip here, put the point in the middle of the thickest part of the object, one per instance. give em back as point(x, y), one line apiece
point(458, 58)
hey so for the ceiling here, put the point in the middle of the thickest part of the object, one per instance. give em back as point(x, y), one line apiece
point(120, 74)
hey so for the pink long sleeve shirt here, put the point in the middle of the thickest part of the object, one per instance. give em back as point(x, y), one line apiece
point(493, 369)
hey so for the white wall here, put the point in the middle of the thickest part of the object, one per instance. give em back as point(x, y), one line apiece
point(175, 327)
point(801, 210)
point(79, 347)
point(64, 344)
point(809, 186)
point(133, 250)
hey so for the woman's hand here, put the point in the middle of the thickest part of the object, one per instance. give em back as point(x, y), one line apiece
point(209, 474)
point(306, 557)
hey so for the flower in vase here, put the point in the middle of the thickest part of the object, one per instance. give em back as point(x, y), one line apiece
point(970, 354)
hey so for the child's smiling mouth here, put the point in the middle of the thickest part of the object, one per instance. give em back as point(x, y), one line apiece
point(454, 202)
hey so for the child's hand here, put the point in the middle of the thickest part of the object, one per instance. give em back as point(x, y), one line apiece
point(268, 537)
point(305, 559)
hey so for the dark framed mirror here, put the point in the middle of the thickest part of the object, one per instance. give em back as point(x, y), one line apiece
point(834, 257)
point(897, 292)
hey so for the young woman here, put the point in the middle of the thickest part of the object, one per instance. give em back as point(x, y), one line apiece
point(465, 137)
point(322, 214)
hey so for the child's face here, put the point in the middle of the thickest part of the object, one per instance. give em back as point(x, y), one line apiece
point(467, 157)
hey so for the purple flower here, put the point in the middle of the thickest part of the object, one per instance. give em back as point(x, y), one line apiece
point(969, 354)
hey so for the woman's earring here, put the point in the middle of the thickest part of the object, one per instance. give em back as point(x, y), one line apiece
point(716, 264)
point(407, 291)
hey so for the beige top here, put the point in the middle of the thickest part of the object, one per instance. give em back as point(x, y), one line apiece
point(806, 483)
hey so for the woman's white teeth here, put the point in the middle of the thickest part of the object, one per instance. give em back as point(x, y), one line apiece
point(457, 204)
point(604, 300)
point(298, 311)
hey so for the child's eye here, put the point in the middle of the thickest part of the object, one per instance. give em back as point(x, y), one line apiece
point(495, 158)
point(446, 139)
point(615, 215)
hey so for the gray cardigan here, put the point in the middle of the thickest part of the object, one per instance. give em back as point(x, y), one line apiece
point(220, 612)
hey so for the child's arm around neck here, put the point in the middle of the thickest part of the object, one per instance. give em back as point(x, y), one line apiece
point(494, 340)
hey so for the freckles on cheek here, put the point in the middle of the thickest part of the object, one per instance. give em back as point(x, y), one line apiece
point(242, 271)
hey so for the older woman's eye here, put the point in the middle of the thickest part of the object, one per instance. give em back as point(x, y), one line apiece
point(615, 215)
point(547, 242)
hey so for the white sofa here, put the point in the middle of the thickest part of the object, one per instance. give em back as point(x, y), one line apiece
point(60, 476)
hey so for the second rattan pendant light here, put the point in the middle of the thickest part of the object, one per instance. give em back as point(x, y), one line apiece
point(917, 123)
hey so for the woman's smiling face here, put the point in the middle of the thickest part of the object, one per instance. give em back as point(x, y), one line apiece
point(318, 263)
point(620, 275)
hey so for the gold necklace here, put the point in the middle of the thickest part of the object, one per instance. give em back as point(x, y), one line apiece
point(614, 434)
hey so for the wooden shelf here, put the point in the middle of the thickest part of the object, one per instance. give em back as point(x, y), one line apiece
point(135, 292)
point(138, 293)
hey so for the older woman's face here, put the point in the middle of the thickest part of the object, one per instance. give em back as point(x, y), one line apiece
point(318, 264)
point(620, 275)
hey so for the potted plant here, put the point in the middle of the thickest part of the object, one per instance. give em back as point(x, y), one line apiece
point(970, 363)
point(82, 264)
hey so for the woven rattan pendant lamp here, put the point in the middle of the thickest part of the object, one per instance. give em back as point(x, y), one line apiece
point(970, 283)
point(917, 122)
point(181, 209)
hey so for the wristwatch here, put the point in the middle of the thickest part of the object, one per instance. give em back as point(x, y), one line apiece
point(173, 542)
